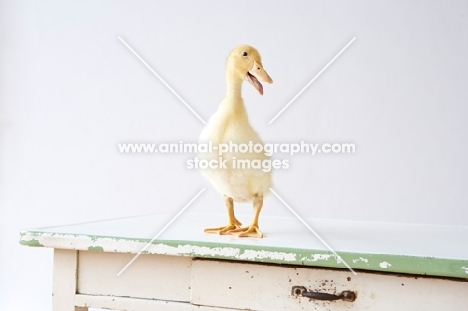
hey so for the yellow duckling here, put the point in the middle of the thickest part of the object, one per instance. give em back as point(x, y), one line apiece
point(230, 124)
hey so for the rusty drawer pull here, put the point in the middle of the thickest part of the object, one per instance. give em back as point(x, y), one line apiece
point(346, 295)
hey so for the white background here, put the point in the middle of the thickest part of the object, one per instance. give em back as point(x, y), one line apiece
point(70, 91)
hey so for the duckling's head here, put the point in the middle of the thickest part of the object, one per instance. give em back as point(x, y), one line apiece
point(245, 63)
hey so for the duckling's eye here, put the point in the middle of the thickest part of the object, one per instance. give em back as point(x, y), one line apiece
point(244, 54)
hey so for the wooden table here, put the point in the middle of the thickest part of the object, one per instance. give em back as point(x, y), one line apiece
point(399, 266)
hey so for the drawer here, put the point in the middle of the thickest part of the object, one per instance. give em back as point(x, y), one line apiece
point(150, 276)
point(255, 286)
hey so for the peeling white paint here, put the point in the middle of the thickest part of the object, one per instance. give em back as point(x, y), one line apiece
point(83, 242)
point(361, 259)
point(385, 265)
point(216, 251)
point(317, 257)
point(466, 269)
point(253, 254)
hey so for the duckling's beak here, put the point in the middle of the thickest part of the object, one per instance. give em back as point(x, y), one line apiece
point(255, 74)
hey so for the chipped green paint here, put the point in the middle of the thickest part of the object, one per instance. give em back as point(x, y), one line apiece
point(32, 243)
point(373, 262)
point(443, 267)
point(96, 248)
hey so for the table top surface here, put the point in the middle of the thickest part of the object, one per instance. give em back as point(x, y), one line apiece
point(434, 250)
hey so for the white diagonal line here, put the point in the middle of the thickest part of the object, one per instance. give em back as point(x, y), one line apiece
point(162, 80)
point(313, 79)
point(313, 231)
point(160, 232)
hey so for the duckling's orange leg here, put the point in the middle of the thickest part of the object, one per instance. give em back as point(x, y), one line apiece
point(253, 230)
point(233, 222)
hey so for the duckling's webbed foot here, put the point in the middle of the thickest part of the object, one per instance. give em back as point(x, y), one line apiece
point(251, 231)
point(234, 224)
point(222, 230)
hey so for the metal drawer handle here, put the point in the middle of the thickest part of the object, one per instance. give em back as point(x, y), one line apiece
point(346, 295)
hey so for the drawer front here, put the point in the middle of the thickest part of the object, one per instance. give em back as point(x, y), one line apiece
point(149, 276)
point(268, 287)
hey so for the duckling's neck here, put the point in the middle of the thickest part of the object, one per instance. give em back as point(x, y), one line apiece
point(234, 86)
point(233, 105)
